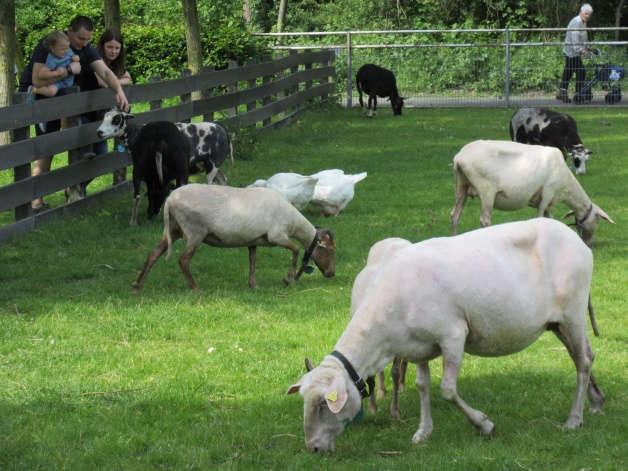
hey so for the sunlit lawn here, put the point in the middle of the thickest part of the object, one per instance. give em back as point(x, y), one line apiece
point(94, 377)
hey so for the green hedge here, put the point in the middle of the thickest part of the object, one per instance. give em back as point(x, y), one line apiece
point(154, 32)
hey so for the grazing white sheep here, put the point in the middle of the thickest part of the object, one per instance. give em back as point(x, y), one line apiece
point(224, 216)
point(508, 176)
point(489, 292)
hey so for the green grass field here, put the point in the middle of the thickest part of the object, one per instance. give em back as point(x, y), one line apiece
point(95, 377)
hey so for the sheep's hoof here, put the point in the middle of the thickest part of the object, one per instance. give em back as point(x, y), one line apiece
point(288, 280)
point(573, 423)
point(421, 435)
point(135, 287)
point(487, 428)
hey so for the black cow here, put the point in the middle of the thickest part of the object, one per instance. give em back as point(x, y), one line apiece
point(376, 81)
point(160, 154)
point(550, 128)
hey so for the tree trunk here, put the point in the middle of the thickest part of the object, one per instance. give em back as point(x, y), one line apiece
point(246, 11)
point(7, 58)
point(618, 15)
point(192, 35)
point(112, 14)
point(281, 16)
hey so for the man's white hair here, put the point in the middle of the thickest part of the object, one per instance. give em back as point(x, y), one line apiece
point(586, 8)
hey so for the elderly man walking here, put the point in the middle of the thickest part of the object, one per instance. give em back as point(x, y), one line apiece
point(574, 49)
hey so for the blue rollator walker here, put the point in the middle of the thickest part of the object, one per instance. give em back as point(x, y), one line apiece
point(609, 77)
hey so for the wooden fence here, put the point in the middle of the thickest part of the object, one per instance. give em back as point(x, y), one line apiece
point(265, 94)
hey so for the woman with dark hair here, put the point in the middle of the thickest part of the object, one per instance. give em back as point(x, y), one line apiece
point(111, 48)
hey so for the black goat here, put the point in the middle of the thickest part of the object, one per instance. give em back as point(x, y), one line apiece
point(159, 153)
point(376, 81)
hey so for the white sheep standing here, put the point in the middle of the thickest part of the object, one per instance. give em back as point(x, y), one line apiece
point(489, 292)
point(509, 175)
point(224, 216)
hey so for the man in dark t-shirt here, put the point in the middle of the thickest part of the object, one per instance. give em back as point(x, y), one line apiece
point(80, 32)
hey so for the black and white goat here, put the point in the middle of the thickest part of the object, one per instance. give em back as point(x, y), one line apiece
point(376, 81)
point(159, 152)
point(210, 145)
point(550, 128)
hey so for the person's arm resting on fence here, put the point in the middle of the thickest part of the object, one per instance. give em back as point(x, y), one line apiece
point(107, 76)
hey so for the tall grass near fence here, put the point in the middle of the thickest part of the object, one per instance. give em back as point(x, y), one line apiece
point(94, 377)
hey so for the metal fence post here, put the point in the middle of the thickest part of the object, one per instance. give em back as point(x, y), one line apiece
point(507, 71)
point(349, 72)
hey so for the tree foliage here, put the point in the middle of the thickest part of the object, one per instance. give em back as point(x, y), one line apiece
point(155, 31)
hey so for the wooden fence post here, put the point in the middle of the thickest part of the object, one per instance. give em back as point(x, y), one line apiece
point(330, 62)
point(232, 88)
point(267, 99)
point(154, 104)
point(186, 97)
point(79, 191)
point(207, 93)
point(308, 83)
point(23, 171)
point(293, 70)
point(252, 83)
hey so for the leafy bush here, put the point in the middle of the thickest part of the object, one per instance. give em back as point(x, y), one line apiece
point(154, 36)
point(155, 51)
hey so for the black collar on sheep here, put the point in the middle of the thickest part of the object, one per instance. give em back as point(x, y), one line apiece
point(585, 217)
point(306, 258)
point(355, 377)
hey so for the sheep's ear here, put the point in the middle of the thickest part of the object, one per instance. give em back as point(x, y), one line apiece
point(309, 366)
point(129, 116)
point(599, 212)
point(568, 214)
point(294, 388)
point(336, 395)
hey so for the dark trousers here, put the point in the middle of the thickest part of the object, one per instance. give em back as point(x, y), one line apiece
point(573, 64)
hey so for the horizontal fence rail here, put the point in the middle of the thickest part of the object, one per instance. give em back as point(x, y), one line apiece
point(266, 94)
point(463, 67)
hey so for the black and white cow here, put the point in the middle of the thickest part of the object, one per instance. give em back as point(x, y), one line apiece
point(210, 145)
point(376, 81)
point(550, 128)
point(159, 152)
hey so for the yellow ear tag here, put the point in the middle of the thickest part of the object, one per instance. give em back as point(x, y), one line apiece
point(332, 396)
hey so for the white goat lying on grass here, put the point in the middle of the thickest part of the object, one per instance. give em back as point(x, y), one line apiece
point(224, 216)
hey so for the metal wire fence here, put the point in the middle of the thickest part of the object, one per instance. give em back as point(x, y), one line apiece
point(465, 67)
